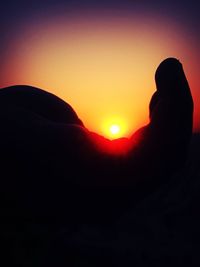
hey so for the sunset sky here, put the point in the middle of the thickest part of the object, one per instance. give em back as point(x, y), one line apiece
point(100, 56)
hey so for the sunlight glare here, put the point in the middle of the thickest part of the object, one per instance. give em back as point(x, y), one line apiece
point(114, 129)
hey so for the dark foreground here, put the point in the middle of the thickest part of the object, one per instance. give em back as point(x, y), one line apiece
point(163, 230)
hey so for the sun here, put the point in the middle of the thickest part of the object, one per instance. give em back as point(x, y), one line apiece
point(115, 129)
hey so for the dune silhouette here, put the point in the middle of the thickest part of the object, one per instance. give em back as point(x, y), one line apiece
point(55, 170)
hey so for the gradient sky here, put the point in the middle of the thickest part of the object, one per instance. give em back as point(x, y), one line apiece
point(99, 56)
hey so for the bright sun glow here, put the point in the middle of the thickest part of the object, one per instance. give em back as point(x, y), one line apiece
point(114, 129)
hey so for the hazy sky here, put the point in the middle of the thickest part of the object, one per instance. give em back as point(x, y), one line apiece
point(100, 56)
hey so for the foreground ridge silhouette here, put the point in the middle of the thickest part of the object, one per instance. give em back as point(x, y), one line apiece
point(53, 169)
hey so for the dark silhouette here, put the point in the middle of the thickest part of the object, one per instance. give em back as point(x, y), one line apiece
point(54, 170)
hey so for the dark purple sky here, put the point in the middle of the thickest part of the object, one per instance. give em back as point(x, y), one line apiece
point(15, 13)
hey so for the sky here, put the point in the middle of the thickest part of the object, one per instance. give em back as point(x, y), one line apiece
point(100, 56)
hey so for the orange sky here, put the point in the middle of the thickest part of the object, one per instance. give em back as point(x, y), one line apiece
point(103, 67)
